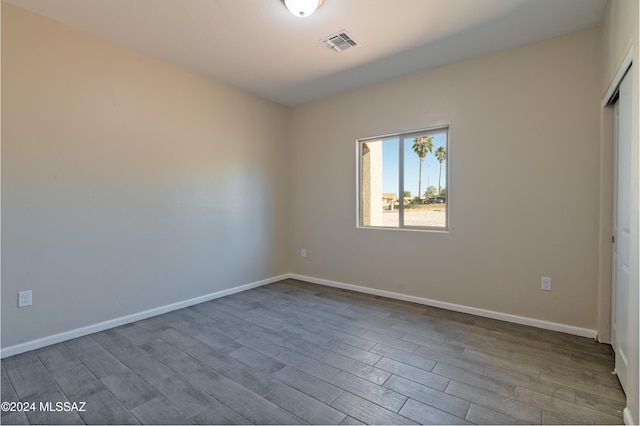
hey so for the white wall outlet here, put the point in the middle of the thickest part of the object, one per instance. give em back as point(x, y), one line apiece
point(545, 283)
point(303, 252)
point(24, 298)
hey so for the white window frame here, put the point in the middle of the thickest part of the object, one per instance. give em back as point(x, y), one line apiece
point(402, 137)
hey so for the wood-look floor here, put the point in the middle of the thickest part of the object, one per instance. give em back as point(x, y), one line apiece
point(296, 353)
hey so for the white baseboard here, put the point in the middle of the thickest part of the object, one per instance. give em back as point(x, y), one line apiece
point(626, 415)
point(94, 328)
point(547, 325)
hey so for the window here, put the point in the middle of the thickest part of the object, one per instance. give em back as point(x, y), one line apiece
point(402, 180)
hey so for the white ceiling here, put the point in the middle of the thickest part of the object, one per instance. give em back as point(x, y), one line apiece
point(259, 46)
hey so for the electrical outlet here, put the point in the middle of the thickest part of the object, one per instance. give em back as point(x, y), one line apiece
point(24, 298)
point(303, 252)
point(545, 283)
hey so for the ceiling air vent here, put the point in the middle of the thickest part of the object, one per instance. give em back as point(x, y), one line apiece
point(340, 41)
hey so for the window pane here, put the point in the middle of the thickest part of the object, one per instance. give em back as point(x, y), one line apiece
point(379, 165)
point(403, 180)
point(425, 180)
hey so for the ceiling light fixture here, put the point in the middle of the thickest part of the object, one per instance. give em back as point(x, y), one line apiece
point(302, 8)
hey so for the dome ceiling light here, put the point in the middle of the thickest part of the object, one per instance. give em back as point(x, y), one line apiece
point(302, 8)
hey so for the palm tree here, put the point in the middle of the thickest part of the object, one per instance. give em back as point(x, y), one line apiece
point(422, 145)
point(441, 155)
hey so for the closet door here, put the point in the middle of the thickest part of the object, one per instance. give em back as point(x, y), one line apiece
point(622, 230)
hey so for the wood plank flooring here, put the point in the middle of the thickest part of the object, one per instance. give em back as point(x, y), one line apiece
point(297, 353)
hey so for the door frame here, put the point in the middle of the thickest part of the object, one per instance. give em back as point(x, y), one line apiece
point(605, 274)
point(605, 258)
point(621, 360)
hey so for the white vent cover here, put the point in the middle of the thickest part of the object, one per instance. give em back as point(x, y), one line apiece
point(340, 41)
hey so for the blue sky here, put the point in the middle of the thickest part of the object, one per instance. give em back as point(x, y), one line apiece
point(430, 166)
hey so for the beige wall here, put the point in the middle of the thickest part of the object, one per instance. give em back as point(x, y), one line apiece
point(127, 183)
point(524, 188)
point(620, 33)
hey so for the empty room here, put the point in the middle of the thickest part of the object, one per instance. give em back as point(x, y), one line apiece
point(320, 211)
